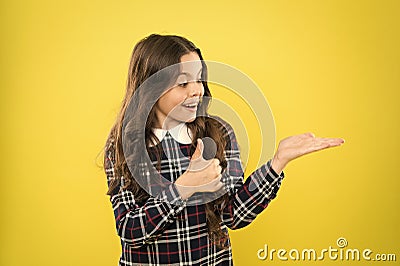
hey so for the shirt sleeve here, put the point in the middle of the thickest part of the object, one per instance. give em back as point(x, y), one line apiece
point(248, 199)
point(141, 224)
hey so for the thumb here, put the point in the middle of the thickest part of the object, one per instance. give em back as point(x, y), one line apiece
point(198, 153)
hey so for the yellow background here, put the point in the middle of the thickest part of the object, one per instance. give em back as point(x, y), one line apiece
point(329, 67)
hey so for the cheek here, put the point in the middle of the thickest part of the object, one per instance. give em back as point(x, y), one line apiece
point(168, 102)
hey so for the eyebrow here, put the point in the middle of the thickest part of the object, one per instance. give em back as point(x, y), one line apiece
point(186, 73)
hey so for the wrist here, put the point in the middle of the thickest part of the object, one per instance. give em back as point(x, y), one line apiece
point(278, 164)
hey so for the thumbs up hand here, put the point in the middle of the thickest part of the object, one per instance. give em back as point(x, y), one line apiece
point(198, 161)
point(201, 176)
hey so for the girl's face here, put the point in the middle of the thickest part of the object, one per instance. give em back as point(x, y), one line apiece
point(179, 103)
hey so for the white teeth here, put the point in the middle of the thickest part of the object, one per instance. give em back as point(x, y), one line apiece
point(190, 105)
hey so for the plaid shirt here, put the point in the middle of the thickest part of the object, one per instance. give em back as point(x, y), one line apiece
point(166, 231)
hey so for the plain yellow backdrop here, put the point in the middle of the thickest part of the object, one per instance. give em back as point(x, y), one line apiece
point(329, 67)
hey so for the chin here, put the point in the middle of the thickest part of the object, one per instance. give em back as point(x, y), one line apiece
point(190, 119)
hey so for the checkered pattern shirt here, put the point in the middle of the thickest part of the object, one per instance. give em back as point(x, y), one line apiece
point(165, 231)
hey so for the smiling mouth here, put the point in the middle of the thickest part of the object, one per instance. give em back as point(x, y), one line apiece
point(191, 105)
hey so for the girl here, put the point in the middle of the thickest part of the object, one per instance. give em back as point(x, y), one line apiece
point(162, 226)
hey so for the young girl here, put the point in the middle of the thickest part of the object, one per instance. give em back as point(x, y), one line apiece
point(163, 226)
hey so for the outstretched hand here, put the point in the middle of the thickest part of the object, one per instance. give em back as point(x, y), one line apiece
point(293, 147)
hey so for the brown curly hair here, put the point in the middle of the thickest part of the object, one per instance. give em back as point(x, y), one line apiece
point(149, 56)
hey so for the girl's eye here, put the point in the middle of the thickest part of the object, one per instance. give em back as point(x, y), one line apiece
point(183, 84)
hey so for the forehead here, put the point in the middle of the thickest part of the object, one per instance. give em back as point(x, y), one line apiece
point(190, 63)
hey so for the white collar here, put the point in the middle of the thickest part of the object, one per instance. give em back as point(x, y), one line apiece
point(181, 133)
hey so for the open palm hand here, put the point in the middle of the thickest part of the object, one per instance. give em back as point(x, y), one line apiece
point(293, 147)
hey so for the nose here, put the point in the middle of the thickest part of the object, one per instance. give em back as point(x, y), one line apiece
point(196, 89)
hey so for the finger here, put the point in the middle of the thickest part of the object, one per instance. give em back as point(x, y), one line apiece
point(324, 145)
point(217, 179)
point(309, 134)
point(198, 153)
point(217, 162)
point(212, 183)
point(336, 142)
point(219, 186)
point(306, 135)
point(211, 187)
point(219, 169)
point(332, 141)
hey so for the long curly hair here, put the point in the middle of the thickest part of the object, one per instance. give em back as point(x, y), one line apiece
point(152, 54)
